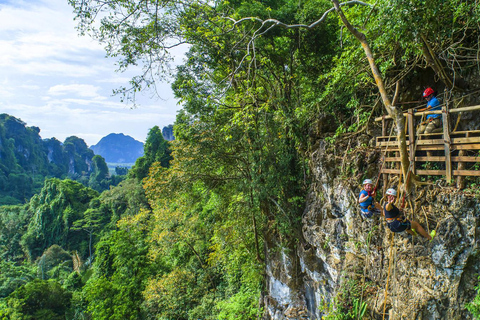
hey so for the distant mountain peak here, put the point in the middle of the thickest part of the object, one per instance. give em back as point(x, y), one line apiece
point(118, 148)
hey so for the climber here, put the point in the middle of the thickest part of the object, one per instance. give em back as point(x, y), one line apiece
point(368, 206)
point(397, 223)
point(434, 121)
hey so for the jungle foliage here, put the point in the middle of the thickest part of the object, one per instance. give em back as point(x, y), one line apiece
point(26, 160)
point(188, 233)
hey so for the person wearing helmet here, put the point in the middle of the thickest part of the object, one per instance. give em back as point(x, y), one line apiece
point(397, 223)
point(368, 206)
point(433, 121)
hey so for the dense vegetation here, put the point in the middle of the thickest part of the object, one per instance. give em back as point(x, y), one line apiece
point(187, 234)
point(26, 159)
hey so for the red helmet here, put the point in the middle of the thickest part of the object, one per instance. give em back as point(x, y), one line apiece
point(427, 92)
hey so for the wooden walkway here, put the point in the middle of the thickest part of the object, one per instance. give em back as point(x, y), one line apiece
point(436, 154)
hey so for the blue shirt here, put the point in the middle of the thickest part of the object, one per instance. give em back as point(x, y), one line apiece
point(367, 202)
point(435, 105)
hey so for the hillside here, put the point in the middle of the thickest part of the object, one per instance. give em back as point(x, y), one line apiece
point(118, 148)
point(26, 159)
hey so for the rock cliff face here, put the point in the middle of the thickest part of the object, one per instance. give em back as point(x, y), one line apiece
point(343, 257)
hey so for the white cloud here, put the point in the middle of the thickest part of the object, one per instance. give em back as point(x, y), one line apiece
point(82, 90)
point(62, 83)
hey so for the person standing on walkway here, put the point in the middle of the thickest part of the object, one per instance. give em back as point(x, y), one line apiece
point(433, 121)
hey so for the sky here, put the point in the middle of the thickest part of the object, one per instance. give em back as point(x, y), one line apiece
point(54, 79)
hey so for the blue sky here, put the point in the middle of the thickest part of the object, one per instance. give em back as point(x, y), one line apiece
point(62, 83)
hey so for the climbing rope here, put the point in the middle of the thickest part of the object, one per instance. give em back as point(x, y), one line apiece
point(390, 260)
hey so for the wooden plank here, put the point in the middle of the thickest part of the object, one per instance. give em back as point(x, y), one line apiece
point(446, 139)
point(430, 135)
point(472, 146)
point(433, 159)
point(442, 159)
point(465, 133)
point(393, 171)
point(466, 173)
point(465, 140)
point(433, 147)
point(465, 159)
point(429, 141)
point(421, 148)
point(431, 172)
point(387, 138)
point(393, 159)
point(470, 108)
point(387, 143)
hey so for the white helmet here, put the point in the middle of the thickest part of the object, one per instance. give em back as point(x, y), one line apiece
point(369, 181)
point(391, 192)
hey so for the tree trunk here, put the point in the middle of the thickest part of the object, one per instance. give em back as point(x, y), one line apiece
point(394, 112)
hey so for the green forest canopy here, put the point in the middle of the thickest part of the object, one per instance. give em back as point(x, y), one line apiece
point(255, 98)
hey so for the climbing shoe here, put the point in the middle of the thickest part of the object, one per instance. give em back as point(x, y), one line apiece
point(433, 233)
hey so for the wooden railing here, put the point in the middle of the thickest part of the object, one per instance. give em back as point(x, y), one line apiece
point(445, 150)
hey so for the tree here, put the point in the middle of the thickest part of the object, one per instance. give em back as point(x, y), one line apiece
point(120, 271)
point(121, 171)
point(156, 150)
point(252, 93)
point(54, 210)
point(100, 174)
point(38, 299)
point(13, 276)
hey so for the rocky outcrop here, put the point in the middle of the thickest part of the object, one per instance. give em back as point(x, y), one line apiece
point(344, 257)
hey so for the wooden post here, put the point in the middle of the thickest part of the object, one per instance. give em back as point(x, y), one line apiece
point(384, 127)
point(461, 166)
point(446, 140)
point(411, 139)
point(384, 176)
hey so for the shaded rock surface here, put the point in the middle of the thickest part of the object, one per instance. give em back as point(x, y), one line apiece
point(426, 280)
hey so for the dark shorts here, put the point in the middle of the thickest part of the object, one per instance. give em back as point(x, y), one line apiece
point(399, 225)
point(368, 213)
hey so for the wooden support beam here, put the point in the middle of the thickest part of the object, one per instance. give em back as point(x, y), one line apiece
point(431, 172)
point(470, 146)
point(430, 141)
point(392, 171)
point(418, 114)
point(431, 159)
point(466, 173)
point(465, 140)
point(456, 173)
point(446, 138)
point(461, 166)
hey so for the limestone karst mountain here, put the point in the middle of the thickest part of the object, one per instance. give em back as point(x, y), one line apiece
point(26, 159)
point(118, 148)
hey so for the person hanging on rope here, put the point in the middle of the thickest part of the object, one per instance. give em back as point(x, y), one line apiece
point(434, 121)
point(368, 206)
point(396, 222)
